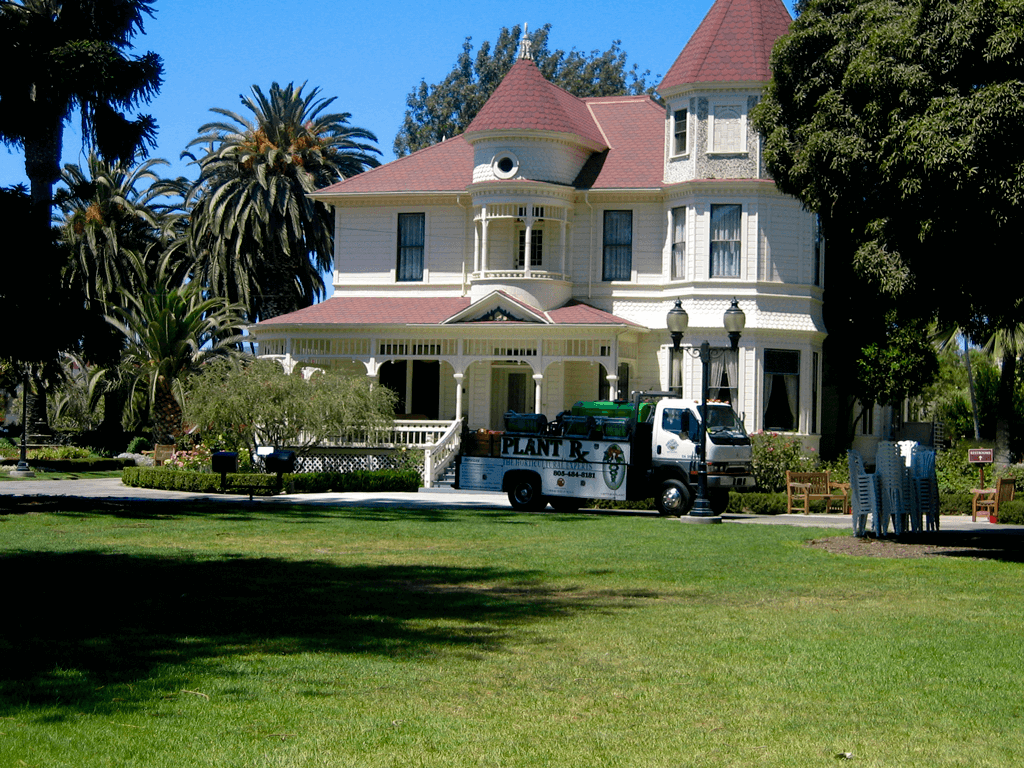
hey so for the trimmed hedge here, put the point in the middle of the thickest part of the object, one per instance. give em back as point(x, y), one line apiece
point(164, 479)
point(958, 503)
point(362, 480)
point(757, 503)
point(1011, 513)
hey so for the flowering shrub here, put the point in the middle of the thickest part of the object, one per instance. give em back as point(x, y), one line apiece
point(196, 460)
point(774, 454)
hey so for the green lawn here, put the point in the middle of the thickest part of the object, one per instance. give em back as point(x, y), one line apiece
point(257, 636)
point(5, 476)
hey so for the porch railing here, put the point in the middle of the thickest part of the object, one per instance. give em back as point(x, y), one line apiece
point(437, 457)
point(438, 439)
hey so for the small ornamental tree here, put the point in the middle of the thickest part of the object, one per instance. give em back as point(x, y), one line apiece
point(243, 405)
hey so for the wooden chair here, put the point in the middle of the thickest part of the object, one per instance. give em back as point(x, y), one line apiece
point(162, 453)
point(987, 500)
point(804, 487)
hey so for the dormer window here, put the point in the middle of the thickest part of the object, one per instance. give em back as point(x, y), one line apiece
point(727, 128)
point(680, 144)
point(505, 165)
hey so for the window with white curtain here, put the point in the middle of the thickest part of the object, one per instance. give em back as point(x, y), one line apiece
point(726, 226)
point(781, 390)
point(678, 243)
point(618, 245)
point(411, 239)
point(723, 374)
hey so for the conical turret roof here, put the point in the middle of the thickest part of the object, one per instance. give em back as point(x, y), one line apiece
point(733, 43)
point(525, 101)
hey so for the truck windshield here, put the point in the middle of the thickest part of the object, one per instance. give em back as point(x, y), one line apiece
point(722, 418)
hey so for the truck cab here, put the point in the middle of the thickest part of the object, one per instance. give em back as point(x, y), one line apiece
point(675, 426)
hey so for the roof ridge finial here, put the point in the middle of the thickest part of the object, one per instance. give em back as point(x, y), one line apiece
point(525, 46)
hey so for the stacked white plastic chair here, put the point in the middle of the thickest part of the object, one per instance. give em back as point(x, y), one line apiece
point(926, 488)
point(894, 481)
point(863, 495)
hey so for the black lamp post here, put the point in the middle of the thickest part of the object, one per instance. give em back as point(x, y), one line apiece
point(677, 322)
point(734, 321)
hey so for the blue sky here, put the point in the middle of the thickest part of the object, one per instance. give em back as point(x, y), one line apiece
point(369, 55)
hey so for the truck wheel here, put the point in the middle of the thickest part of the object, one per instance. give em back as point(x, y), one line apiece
point(565, 504)
point(673, 498)
point(719, 498)
point(525, 495)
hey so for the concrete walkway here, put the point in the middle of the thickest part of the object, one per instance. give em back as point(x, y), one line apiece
point(427, 498)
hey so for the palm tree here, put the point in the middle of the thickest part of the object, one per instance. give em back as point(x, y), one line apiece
point(255, 235)
point(111, 223)
point(170, 331)
point(57, 56)
point(1005, 345)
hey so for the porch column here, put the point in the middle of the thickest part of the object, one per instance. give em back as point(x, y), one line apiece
point(483, 241)
point(528, 247)
point(613, 386)
point(562, 241)
point(537, 379)
point(476, 247)
point(458, 394)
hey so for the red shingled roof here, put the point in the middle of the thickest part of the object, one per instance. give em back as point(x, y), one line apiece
point(524, 100)
point(400, 310)
point(357, 310)
point(635, 128)
point(444, 167)
point(734, 42)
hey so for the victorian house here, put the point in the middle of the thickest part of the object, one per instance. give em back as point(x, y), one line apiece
point(531, 261)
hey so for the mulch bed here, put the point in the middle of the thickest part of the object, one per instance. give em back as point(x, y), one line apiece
point(987, 545)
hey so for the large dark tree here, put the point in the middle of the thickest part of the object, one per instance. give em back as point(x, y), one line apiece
point(443, 110)
point(898, 121)
point(256, 237)
point(58, 56)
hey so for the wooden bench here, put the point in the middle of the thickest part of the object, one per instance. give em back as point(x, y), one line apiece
point(804, 487)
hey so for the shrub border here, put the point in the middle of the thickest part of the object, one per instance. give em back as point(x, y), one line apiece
point(164, 479)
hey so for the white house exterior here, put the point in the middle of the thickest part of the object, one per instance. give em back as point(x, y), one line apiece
point(531, 262)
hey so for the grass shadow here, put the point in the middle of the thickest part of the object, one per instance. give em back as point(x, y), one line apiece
point(75, 623)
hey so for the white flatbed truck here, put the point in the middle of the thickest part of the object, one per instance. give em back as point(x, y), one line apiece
point(603, 450)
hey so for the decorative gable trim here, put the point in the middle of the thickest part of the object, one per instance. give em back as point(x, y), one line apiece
point(498, 306)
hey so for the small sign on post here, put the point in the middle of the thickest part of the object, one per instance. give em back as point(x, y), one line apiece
point(981, 457)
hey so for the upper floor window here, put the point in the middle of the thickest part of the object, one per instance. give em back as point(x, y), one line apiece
point(726, 129)
point(680, 146)
point(536, 248)
point(726, 226)
point(411, 239)
point(678, 243)
point(618, 245)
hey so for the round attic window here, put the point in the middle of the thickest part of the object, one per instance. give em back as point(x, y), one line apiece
point(505, 165)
